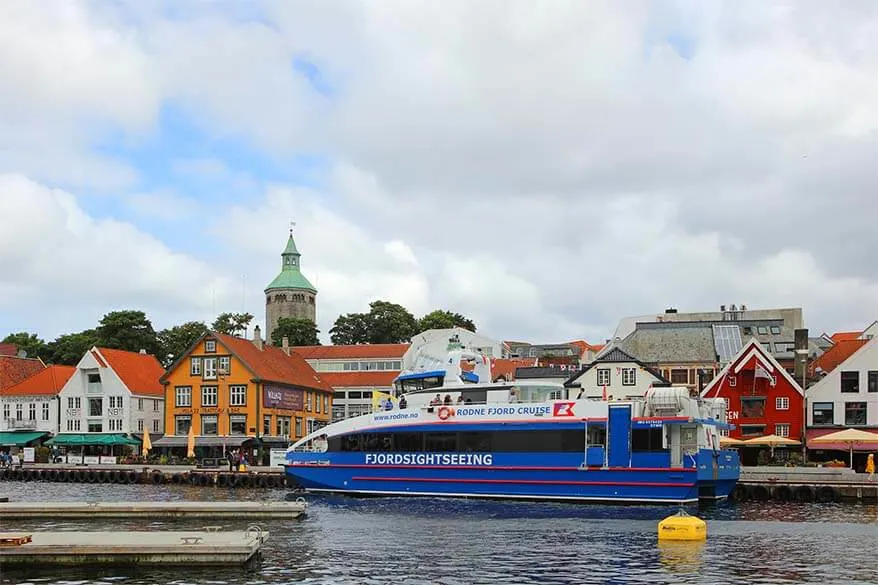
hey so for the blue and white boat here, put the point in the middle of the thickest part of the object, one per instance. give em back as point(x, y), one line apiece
point(521, 440)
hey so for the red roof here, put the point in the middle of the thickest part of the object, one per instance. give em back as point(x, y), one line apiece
point(845, 336)
point(357, 379)
point(836, 354)
point(140, 372)
point(506, 367)
point(48, 381)
point(15, 369)
point(271, 364)
point(8, 349)
point(336, 352)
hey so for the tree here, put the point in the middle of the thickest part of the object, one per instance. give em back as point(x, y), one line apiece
point(299, 331)
point(174, 341)
point(350, 329)
point(68, 349)
point(442, 319)
point(128, 330)
point(30, 343)
point(232, 323)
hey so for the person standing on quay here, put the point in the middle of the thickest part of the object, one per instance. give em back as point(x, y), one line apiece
point(870, 465)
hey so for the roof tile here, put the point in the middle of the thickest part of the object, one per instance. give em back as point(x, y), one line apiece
point(47, 381)
point(15, 369)
point(8, 349)
point(138, 371)
point(272, 364)
point(845, 336)
point(836, 354)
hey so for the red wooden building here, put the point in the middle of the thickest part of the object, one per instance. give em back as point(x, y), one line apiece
point(763, 399)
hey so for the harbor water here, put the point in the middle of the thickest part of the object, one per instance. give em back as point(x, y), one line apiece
point(460, 542)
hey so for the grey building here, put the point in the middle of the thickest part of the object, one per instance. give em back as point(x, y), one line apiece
point(290, 294)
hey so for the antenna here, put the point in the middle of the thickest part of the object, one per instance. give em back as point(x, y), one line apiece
point(292, 225)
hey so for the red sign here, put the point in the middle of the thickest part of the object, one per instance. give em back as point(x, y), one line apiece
point(563, 409)
point(283, 398)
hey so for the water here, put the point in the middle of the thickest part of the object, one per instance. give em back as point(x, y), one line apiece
point(458, 542)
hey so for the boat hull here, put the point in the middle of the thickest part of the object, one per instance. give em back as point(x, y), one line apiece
point(542, 476)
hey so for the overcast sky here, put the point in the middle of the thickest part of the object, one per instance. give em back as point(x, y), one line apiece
point(543, 167)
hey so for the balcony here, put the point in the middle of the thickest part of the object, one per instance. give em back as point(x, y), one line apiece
point(21, 424)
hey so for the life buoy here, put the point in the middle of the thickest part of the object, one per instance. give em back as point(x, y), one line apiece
point(444, 413)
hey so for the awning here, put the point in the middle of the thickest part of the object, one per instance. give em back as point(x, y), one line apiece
point(16, 439)
point(211, 441)
point(71, 439)
point(840, 446)
point(275, 440)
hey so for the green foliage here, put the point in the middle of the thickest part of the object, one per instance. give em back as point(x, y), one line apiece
point(174, 341)
point(442, 319)
point(127, 330)
point(68, 349)
point(299, 331)
point(42, 454)
point(29, 342)
point(232, 323)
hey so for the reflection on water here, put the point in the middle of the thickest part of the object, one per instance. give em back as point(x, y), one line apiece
point(414, 541)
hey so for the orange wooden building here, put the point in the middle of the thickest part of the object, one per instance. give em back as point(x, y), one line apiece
point(241, 393)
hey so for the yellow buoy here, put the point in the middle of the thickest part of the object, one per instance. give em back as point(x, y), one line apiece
point(682, 526)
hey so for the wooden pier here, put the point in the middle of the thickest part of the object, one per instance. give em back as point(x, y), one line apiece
point(238, 510)
point(805, 484)
point(209, 547)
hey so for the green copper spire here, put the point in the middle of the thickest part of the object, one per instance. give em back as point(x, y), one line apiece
point(290, 274)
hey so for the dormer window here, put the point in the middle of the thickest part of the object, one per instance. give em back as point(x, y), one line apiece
point(210, 346)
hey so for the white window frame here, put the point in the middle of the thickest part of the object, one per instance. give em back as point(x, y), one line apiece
point(238, 395)
point(32, 411)
point(210, 346)
point(6, 412)
point(140, 425)
point(781, 403)
point(782, 429)
point(195, 366)
point(209, 370)
point(46, 411)
point(140, 404)
point(224, 363)
point(209, 396)
point(604, 377)
point(155, 425)
point(629, 372)
point(183, 392)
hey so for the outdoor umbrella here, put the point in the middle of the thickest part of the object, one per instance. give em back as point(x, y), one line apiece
point(190, 444)
point(730, 442)
point(849, 436)
point(147, 444)
point(771, 441)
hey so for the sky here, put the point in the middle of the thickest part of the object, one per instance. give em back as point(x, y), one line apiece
point(545, 168)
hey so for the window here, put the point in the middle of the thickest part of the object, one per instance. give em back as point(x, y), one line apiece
point(782, 403)
point(32, 411)
point(646, 440)
point(237, 424)
point(224, 364)
point(182, 424)
point(208, 424)
point(70, 403)
point(208, 396)
point(5, 412)
point(266, 424)
point(94, 378)
point(781, 346)
point(95, 408)
point(115, 424)
point(748, 330)
point(45, 411)
point(850, 381)
point(19, 411)
point(872, 383)
point(752, 407)
point(298, 425)
point(782, 430)
point(767, 346)
point(183, 396)
point(78, 402)
point(854, 413)
point(210, 346)
point(337, 412)
point(209, 368)
point(140, 404)
point(95, 427)
point(775, 330)
point(752, 430)
point(762, 330)
point(679, 376)
point(629, 376)
point(308, 401)
point(603, 376)
point(195, 366)
point(156, 425)
point(140, 425)
point(69, 425)
point(326, 404)
point(733, 381)
point(283, 426)
point(822, 413)
point(237, 395)
point(156, 405)
point(115, 402)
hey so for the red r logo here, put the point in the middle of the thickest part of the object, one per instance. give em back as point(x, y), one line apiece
point(563, 409)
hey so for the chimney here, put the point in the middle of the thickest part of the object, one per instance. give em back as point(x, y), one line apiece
point(257, 337)
point(285, 345)
point(801, 345)
point(142, 352)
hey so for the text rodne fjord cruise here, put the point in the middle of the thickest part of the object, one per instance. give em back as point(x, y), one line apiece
point(521, 440)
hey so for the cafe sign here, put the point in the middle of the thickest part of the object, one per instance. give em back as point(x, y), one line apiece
point(274, 396)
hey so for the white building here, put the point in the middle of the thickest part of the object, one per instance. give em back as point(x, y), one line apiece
point(618, 374)
point(848, 395)
point(112, 391)
point(31, 406)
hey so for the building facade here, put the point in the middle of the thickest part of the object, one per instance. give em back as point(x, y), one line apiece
point(614, 375)
point(236, 391)
point(762, 398)
point(355, 372)
point(32, 406)
point(290, 294)
point(112, 392)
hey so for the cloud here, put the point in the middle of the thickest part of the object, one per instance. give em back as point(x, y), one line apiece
point(164, 205)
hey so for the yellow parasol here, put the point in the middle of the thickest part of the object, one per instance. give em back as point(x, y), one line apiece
point(730, 442)
point(147, 443)
point(849, 436)
point(190, 444)
point(771, 441)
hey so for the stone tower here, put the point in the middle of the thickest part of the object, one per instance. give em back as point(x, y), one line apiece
point(289, 294)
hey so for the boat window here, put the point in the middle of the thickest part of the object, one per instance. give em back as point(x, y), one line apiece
point(474, 442)
point(597, 436)
point(440, 442)
point(408, 442)
point(350, 443)
point(649, 440)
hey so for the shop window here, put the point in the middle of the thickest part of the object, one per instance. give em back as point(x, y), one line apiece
point(823, 413)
